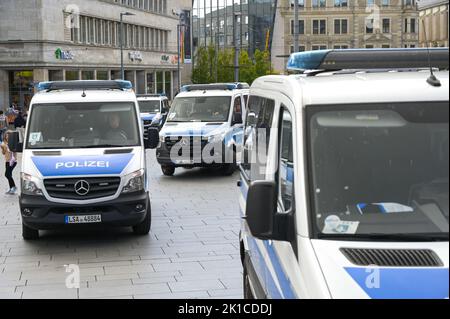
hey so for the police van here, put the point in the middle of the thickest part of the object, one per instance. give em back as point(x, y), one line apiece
point(84, 158)
point(153, 109)
point(204, 128)
point(344, 181)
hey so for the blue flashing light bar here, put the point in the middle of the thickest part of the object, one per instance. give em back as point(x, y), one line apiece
point(366, 59)
point(215, 86)
point(85, 85)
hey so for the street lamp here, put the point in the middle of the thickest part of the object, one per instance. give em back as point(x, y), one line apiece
point(180, 26)
point(122, 70)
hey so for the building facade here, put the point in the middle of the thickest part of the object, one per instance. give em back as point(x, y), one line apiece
point(342, 24)
point(247, 24)
point(433, 19)
point(42, 40)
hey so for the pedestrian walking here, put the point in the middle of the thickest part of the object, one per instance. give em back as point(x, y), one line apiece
point(10, 164)
point(3, 125)
point(19, 121)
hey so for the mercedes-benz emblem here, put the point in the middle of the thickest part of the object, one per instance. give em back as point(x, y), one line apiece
point(184, 142)
point(82, 188)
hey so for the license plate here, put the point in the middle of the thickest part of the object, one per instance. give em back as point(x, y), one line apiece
point(83, 219)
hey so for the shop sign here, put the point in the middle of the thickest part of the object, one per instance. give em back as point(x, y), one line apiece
point(64, 55)
point(169, 59)
point(136, 56)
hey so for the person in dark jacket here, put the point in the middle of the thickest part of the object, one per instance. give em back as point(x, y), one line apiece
point(19, 121)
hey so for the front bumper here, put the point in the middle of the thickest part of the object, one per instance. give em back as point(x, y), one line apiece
point(127, 210)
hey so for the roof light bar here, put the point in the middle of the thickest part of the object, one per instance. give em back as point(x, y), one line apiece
point(85, 85)
point(214, 86)
point(367, 59)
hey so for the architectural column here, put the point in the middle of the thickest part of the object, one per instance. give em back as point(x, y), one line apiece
point(4, 89)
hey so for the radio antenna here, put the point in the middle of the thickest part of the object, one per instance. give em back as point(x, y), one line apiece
point(432, 79)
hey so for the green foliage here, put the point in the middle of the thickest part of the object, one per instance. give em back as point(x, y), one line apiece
point(213, 66)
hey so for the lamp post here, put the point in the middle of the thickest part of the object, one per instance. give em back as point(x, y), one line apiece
point(122, 70)
point(180, 26)
point(236, 15)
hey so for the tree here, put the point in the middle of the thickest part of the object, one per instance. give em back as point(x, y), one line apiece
point(218, 66)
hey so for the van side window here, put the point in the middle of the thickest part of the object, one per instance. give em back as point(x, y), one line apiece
point(286, 162)
point(258, 124)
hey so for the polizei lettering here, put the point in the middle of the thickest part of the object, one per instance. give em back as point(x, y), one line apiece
point(83, 164)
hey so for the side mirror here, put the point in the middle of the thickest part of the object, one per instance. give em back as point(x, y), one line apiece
point(264, 221)
point(237, 118)
point(153, 138)
point(251, 119)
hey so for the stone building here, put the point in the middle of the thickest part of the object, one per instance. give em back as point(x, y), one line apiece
point(43, 40)
point(433, 19)
point(342, 24)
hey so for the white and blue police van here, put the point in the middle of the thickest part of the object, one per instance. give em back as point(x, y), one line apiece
point(344, 180)
point(204, 128)
point(84, 159)
point(153, 109)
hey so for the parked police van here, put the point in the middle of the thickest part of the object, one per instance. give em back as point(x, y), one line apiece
point(84, 158)
point(352, 198)
point(201, 115)
point(153, 109)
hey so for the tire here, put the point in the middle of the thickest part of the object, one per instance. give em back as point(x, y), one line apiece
point(143, 228)
point(29, 233)
point(248, 295)
point(229, 169)
point(168, 170)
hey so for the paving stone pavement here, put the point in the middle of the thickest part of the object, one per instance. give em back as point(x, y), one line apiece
point(192, 251)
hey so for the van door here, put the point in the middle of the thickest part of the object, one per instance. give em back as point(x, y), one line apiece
point(254, 251)
point(283, 255)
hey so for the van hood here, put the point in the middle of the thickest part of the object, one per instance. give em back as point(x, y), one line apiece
point(346, 280)
point(193, 129)
point(89, 163)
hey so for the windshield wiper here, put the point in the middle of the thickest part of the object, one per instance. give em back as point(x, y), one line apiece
point(414, 237)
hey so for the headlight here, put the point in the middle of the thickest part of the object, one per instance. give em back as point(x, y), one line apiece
point(29, 186)
point(135, 182)
point(162, 138)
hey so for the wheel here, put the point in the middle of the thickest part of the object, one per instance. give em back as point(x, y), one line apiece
point(143, 228)
point(29, 233)
point(168, 170)
point(248, 294)
point(229, 169)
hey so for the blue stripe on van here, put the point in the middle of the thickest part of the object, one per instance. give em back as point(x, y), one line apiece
point(402, 283)
point(263, 271)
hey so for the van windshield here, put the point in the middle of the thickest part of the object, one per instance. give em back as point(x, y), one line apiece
point(200, 109)
point(151, 107)
point(380, 170)
point(83, 125)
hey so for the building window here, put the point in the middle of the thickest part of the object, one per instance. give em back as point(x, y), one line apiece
point(301, 48)
point(102, 75)
point(408, 2)
point(72, 75)
point(410, 25)
point(386, 25)
point(369, 25)
point(385, 46)
point(301, 3)
point(340, 26)
point(319, 26)
point(341, 3)
point(318, 47)
point(319, 3)
point(301, 26)
point(340, 46)
point(369, 46)
point(385, 3)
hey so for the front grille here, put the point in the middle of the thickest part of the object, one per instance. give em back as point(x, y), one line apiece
point(172, 141)
point(99, 187)
point(392, 257)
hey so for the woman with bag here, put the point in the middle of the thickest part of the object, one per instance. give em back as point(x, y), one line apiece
point(10, 163)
